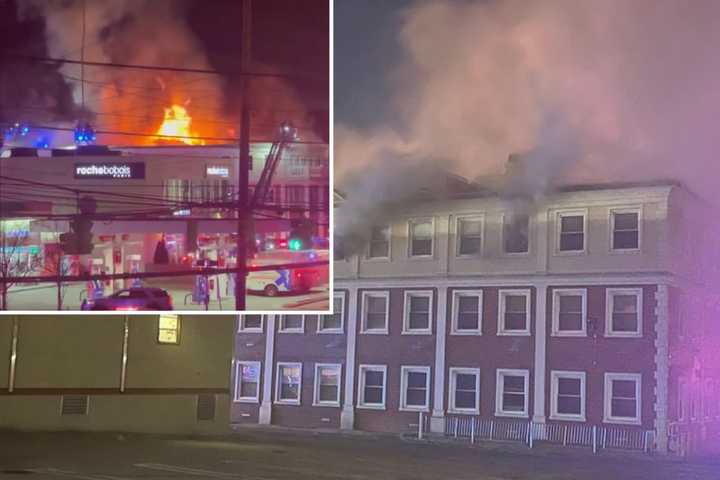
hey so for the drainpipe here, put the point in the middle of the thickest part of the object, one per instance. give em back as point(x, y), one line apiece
point(13, 353)
point(123, 366)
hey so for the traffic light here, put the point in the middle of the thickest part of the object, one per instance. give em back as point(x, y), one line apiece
point(301, 235)
point(79, 240)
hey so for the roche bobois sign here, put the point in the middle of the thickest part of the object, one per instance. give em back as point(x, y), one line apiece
point(114, 171)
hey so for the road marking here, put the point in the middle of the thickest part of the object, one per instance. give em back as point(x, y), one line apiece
point(70, 473)
point(195, 471)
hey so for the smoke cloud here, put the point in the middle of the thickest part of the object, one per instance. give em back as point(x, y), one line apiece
point(587, 91)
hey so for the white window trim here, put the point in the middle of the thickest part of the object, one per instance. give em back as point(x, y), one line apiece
point(361, 386)
point(454, 330)
point(454, 371)
point(409, 238)
point(387, 258)
point(406, 312)
point(555, 376)
point(611, 222)
point(242, 328)
point(501, 331)
point(404, 370)
point(607, 417)
point(609, 298)
point(282, 329)
point(363, 312)
point(238, 381)
point(557, 293)
point(499, 388)
point(341, 329)
point(316, 389)
point(505, 253)
point(458, 221)
point(559, 214)
point(278, 382)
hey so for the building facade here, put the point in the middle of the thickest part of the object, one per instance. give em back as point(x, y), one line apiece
point(578, 308)
point(167, 374)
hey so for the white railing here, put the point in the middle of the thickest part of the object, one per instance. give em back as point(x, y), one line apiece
point(565, 434)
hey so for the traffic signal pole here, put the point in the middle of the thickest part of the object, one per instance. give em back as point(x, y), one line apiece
point(243, 212)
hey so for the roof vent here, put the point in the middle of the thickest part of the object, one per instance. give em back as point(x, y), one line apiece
point(74, 404)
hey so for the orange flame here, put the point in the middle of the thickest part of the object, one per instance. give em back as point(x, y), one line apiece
point(177, 123)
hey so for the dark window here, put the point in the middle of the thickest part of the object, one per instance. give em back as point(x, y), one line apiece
point(416, 389)
point(468, 315)
point(292, 322)
point(373, 387)
point(465, 390)
point(572, 233)
point(252, 321)
point(249, 379)
point(334, 321)
point(516, 233)
point(375, 318)
point(515, 312)
point(626, 232)
point(421, 238)
point(570, 313)
point(418, 312)
point(289, 382)
point(624, 313)
point(380, 242)
point(569, 401)
point(470, 236)
point(329, 384)
point(624, 399)
point(513, 398)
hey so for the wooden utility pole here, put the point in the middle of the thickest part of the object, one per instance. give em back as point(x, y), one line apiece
point(243, 213)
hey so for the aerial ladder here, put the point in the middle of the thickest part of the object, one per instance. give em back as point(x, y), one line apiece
point(286, 134)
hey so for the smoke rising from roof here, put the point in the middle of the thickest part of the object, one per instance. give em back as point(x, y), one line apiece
point(588, 91)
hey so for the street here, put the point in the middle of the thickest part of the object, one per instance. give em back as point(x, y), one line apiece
point(45, 298)
point(293, 455)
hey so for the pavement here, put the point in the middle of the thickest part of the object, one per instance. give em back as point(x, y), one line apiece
point(272, 454)
point(44, 297)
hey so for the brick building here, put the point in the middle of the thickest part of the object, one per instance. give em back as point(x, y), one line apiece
point(593, 305)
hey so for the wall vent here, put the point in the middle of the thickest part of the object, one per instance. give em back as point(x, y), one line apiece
point(74, 404)
point(206, 407)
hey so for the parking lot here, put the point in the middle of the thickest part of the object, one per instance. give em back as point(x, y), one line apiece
point(285, 455)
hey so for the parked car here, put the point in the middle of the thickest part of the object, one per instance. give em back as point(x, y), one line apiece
point(139, 298)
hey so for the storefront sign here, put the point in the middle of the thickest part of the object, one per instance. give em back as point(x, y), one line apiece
point(216, 171)
point(17, 228)
point(131, 170)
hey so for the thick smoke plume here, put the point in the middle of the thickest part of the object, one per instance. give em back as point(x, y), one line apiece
point(589, 91)
point(150, 32)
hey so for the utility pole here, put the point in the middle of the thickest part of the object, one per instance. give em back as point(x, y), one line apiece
point(243, 212)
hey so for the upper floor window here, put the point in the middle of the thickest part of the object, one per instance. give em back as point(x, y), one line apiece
point(622, 398)
point(415, 388)
point(418, 312)
point(514, 312)
point(469, 234)
point(333, 323)
point(295, 194)
point(292, 324)
point(567, 395)
point(623, 316)
point(516, 233)
point(375, 310)
point(169, 329)
point(467, 312)
point(569, 312)
point(571, 231)
point(421, 237)
point(625, 224)
point(379, 242)
point(251, 323)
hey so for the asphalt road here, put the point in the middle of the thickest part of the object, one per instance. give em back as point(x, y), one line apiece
point(45, 298)
point(281, 455)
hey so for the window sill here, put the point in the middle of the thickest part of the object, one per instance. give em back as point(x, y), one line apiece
point(569, 253)
point(377, 259)
point(416, 332)
point(512, 414)
point(513, 333)
point(568, 418)
point(292, 403)
point(466, 333)
point(371, 407)
point(622, 421)
point(461, 411)
point(625, 251)
point(326, 404)
point(250, 330)
point(247, 400)
point(414, 409)
point(374, 332)
point(515, 254)
point(576, 334)
point(291, 331)
point(333, 331)
point(426, 258)
point(623, 335)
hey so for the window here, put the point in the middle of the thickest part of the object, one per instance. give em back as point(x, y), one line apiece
point(379, 242)
point(567, 396)
point(289, 382)
point(514, 312)
point(327, 384)
point(465, 390)
point(622, 398)
point(569, 312)
point(292, 324)
point(511, 398)
point(469, 234)
point(295, 194)
point(516, 233)
point(251, 323)
point(375, 312)
point(333, 323)
point(418, 312)
point(571, 231)
point(415, 388)
point(372, 386)
point(421, 238)
point(247, 382)
point(623, 316)
point(625, 229)
point(467, 312)
point(169, 329)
